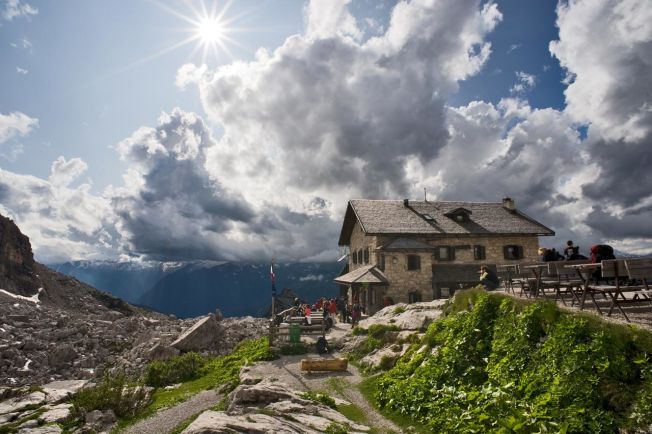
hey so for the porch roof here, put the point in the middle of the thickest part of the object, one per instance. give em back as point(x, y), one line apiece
point(368, 274)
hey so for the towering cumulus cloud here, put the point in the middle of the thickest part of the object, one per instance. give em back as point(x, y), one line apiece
point(172, 207)
point(338, 112)
point(328, 115)
point(606, 47)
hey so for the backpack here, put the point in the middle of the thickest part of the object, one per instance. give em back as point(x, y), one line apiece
point(321, 345)
point(601, 252)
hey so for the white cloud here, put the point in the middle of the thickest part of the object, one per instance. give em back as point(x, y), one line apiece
point(329, 18)
point(22, 71)
point(62, 223)
point(524, 83)
point(312, 278)
point(15, 124)
point(606, 48)
point(327, 115)
point(16, 9)
point(63, 172)
point(513, 47)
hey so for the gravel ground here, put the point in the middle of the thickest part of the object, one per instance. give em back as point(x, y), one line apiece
point(166, 420)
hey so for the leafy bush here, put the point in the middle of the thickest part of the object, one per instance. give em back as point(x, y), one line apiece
point(358, 331)
point(336, 428)
point(115, 392)
point(294, 349)
point(378, 331)
point(176, 370)
point(501, 366)
point(218, 371)
point(399, 310)
point(322, 398)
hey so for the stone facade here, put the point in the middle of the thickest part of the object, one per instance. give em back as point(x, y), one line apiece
point(422, 284)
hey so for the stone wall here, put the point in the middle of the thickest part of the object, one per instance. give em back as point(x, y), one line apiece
point(404, 281)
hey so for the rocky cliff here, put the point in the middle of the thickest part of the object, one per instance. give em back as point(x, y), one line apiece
point(54, 327)
point(17, 266)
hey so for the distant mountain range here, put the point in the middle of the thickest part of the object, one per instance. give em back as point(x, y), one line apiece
point(188, 289)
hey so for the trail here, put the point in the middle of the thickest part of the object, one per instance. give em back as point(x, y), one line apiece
point(166, 420)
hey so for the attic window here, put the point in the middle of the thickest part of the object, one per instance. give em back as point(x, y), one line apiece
point(460, 215)
point(428, 218)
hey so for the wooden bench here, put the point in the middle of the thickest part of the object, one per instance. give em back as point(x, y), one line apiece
point(615, 271)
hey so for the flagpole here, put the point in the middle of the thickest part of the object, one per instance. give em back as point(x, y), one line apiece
point(272, 326)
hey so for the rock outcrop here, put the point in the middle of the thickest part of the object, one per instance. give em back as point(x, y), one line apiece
point(271, 407)
point(204, 334)
point(17, 266)
point(414, 316)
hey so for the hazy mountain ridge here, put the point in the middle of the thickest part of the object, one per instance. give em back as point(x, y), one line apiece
point(195, 288)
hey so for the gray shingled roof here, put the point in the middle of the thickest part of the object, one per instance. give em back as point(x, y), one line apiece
point(406, 244)
point(393, 217)
point(366, 274)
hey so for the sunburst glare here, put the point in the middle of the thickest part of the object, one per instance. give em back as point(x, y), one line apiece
point(209, 29)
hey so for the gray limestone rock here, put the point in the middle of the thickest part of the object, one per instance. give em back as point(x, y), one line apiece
point(203, 335)
point(18, 403)
point(48, 429)
point(58, 413)
point(414, 316)
point(162, 352)
point(58, 391)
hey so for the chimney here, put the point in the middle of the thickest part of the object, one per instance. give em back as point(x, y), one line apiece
point(406, 203)
point(508, 203)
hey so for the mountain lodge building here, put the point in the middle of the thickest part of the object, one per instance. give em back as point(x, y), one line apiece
point(410, 251)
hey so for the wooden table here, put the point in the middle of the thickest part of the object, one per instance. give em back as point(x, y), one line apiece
point(585, 271)
point(537, 271)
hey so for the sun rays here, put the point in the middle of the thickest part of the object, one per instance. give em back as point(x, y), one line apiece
point(210, 29)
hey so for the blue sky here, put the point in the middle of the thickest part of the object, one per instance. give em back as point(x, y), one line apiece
point(470, 99)
point(92, 80)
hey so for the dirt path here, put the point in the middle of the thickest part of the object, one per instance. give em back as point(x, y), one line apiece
point(287, 369)
point(337, 384)
point(168, 419)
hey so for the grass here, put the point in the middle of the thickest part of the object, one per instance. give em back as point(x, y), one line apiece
point(368, 387)
point(185, 424)
point(220, 371)
point(13, 427)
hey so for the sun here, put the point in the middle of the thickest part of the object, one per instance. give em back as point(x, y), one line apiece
point(210, 30)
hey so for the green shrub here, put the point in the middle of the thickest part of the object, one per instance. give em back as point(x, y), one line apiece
point(399, 310)
point(358, 331)
point(176, 370)
point(497, 365)
point(322, 398)
point(336, 428)
point(115, 392)
point(377, 331)
point(294, 349)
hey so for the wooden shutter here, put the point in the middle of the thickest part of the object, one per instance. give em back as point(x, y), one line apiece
point(451, 253)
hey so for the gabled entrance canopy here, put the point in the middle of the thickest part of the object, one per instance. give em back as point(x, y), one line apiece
point(369, 274)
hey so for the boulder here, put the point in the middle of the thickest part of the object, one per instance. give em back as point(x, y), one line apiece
point(58, 413)
point(414, 316)
point(57, 391)
point(48, 429)
point(203, 335)
point(61, 355)
point(162, 352)
point(19, 403)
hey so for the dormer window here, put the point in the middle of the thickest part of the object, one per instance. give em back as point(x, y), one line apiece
point(460, 215)
point(428, 218)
